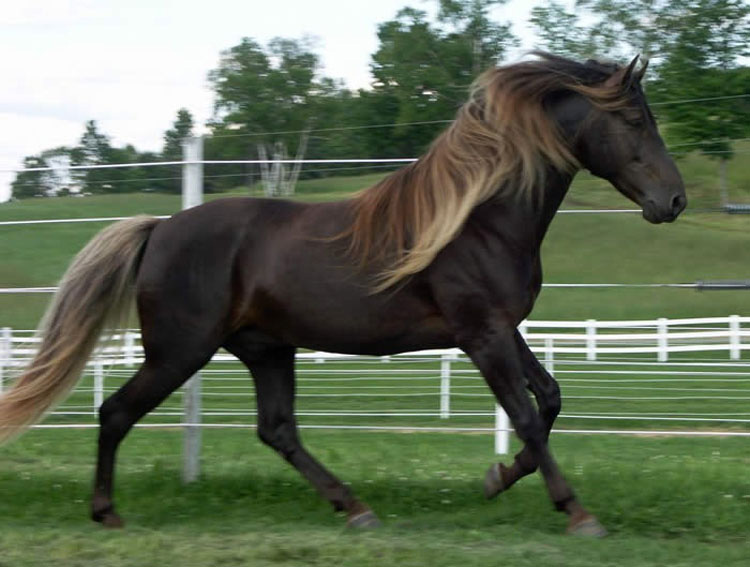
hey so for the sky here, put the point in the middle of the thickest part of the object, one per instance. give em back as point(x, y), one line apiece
point(132, 65)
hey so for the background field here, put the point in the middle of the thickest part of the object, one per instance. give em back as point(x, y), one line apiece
point(666, 500)
point(591, 248)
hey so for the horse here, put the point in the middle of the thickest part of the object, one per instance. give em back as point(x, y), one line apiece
point(444, 252)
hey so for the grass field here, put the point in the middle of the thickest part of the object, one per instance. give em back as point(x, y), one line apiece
point(665, 502)
point(579, 248)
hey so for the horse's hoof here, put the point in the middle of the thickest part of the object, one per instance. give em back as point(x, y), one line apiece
point(108, 519)
point(587, 527)
point(366, 520)
point(113, 521)
point(493, 481)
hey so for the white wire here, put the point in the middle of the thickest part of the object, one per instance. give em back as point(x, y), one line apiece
point(10, 290)
point(208, 162)
point(406, 428)
point(426, 413)
point(67, 221)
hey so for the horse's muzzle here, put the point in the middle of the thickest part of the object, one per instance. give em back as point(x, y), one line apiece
point(656, 214)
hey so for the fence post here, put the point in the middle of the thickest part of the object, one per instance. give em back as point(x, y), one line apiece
point(591, 339)
point(549, 355)
point(192, 195)
point(734, 337)
point(662, 338)
point(129, 346)
point(98, 385)
point(445, 386)
point(502, 431)
point(6, 350)
point(192, 439)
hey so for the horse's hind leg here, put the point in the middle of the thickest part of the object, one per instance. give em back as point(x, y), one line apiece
point(150, 386)
point(547, 394)
point(272, 368)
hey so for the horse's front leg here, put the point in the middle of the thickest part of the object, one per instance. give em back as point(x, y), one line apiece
point(547, 393)
point(495, 351)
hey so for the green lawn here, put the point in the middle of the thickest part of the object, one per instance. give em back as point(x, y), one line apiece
point(579, 248)
point(667, 501)
point(664, 501)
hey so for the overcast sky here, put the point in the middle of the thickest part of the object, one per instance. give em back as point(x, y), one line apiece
point(130, 65)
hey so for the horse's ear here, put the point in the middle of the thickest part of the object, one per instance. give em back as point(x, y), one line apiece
point(638, 75)
point(623, 77)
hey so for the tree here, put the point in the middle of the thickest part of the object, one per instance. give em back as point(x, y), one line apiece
point(560, 32)
point(259, 91)
point(31, 183)
point(470, 26)
point(697, 46)
point(172, 151)
point(706, 45)
point(173, 138)
point(94, 148)
point(52, 183)
point(427, 68)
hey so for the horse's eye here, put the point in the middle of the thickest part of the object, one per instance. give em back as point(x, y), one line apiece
point(634, 119)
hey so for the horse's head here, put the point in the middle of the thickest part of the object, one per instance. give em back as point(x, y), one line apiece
point(618, 140)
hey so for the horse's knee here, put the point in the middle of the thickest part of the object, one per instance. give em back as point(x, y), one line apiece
point(114, 420)
point(282, 436)
point(529, 429)
point(550, 402)
point(108, 414)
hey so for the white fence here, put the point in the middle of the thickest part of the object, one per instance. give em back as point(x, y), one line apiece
point(675, 372)
point(593, 338)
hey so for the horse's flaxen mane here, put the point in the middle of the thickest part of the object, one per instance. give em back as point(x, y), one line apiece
point(501, 142)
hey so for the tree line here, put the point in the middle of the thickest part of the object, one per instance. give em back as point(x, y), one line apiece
point(274, 96)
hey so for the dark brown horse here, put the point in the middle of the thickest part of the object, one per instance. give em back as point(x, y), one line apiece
point(443, 253)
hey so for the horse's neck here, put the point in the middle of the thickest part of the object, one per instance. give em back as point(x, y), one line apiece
point(524, 221)
point(556, 187)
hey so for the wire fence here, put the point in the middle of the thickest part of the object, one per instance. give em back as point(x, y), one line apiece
point(682, 377)
point(675, 377)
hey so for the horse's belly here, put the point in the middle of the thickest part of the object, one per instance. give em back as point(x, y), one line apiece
point(416, 338)
point(354, 328)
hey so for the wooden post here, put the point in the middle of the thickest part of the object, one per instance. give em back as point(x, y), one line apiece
point(192, 195)
point(591, 339)
point(735, 342)
point(129, 346)
point(6, 350)
point(662, 338)
point(445, 386)
point(549, 355)
point(502, 433)
point(98, 386)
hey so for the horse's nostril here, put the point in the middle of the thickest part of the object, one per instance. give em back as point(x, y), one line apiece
point(678, 204)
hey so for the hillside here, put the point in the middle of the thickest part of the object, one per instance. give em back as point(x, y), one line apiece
point(591, 248)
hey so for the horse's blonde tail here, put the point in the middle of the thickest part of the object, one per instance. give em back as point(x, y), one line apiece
point(96, 291)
